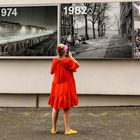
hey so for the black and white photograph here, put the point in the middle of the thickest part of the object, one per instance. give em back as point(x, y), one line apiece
point(136, 6)
point(97, 30)
point(28, 30)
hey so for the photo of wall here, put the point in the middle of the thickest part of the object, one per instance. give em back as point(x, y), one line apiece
point(97, 30)
point(28, 31)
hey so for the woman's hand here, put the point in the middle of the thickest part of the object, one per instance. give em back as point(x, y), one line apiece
point(70, 54)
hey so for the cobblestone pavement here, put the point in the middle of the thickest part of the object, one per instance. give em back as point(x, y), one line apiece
point(92, 123)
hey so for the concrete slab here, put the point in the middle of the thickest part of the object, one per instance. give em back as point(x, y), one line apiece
point(92, 123)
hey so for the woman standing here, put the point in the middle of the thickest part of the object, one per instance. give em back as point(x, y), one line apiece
point(63, 92)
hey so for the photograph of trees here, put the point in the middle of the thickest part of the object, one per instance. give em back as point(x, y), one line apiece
point(97, 30)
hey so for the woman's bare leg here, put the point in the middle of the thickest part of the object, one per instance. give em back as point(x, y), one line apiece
point(54, 118)
point(66, 119)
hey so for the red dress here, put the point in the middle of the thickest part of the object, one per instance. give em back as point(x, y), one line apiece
point(63, 92)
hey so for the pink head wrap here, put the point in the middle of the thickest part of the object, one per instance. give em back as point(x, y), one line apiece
point(65, 47)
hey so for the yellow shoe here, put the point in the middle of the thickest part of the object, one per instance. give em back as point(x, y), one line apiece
point(71, 132)
point(53, 131)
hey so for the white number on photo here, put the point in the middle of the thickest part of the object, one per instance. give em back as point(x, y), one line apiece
point(8, 12)
point(75, 10)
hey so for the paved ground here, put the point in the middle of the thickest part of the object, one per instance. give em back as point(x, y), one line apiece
point(93, 123)
point(95, 48)
point(112, 47)
point(119, 48)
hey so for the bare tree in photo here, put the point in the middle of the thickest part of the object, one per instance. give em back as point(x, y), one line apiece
point(77, 18)
point(97, 16)
point(102, 7)
point(86, 20)
point(117, 21)
point(73, 20)
point(71, 29)
point(106, 24)
point(87, 5)
point(93, 17)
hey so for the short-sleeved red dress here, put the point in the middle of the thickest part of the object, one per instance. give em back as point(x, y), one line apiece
point(63, 92)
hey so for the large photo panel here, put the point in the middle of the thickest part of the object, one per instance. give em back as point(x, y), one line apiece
point(98, 30)
point(28, 30)
point(136, 6)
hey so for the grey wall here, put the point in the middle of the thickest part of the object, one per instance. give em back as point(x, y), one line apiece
point(93, 77)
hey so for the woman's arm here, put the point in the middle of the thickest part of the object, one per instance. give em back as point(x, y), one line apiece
point(52, 71)
point(70, 55)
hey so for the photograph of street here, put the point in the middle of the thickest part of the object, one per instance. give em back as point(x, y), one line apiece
point(136, 6)
point(97, 30)
point(28, 31)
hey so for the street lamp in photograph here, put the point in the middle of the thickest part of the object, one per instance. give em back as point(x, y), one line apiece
point(23, 30)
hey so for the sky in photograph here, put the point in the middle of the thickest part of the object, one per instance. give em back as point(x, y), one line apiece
point(114, 10)
point(42, 16)
point(114, 13)
point(137, 15)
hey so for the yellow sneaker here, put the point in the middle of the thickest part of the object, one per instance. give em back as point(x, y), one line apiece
point(71, 132)
point(53, 131)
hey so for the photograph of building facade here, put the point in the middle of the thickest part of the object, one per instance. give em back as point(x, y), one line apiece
point(65, 22)
point(98, 30)
point(29, 32)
